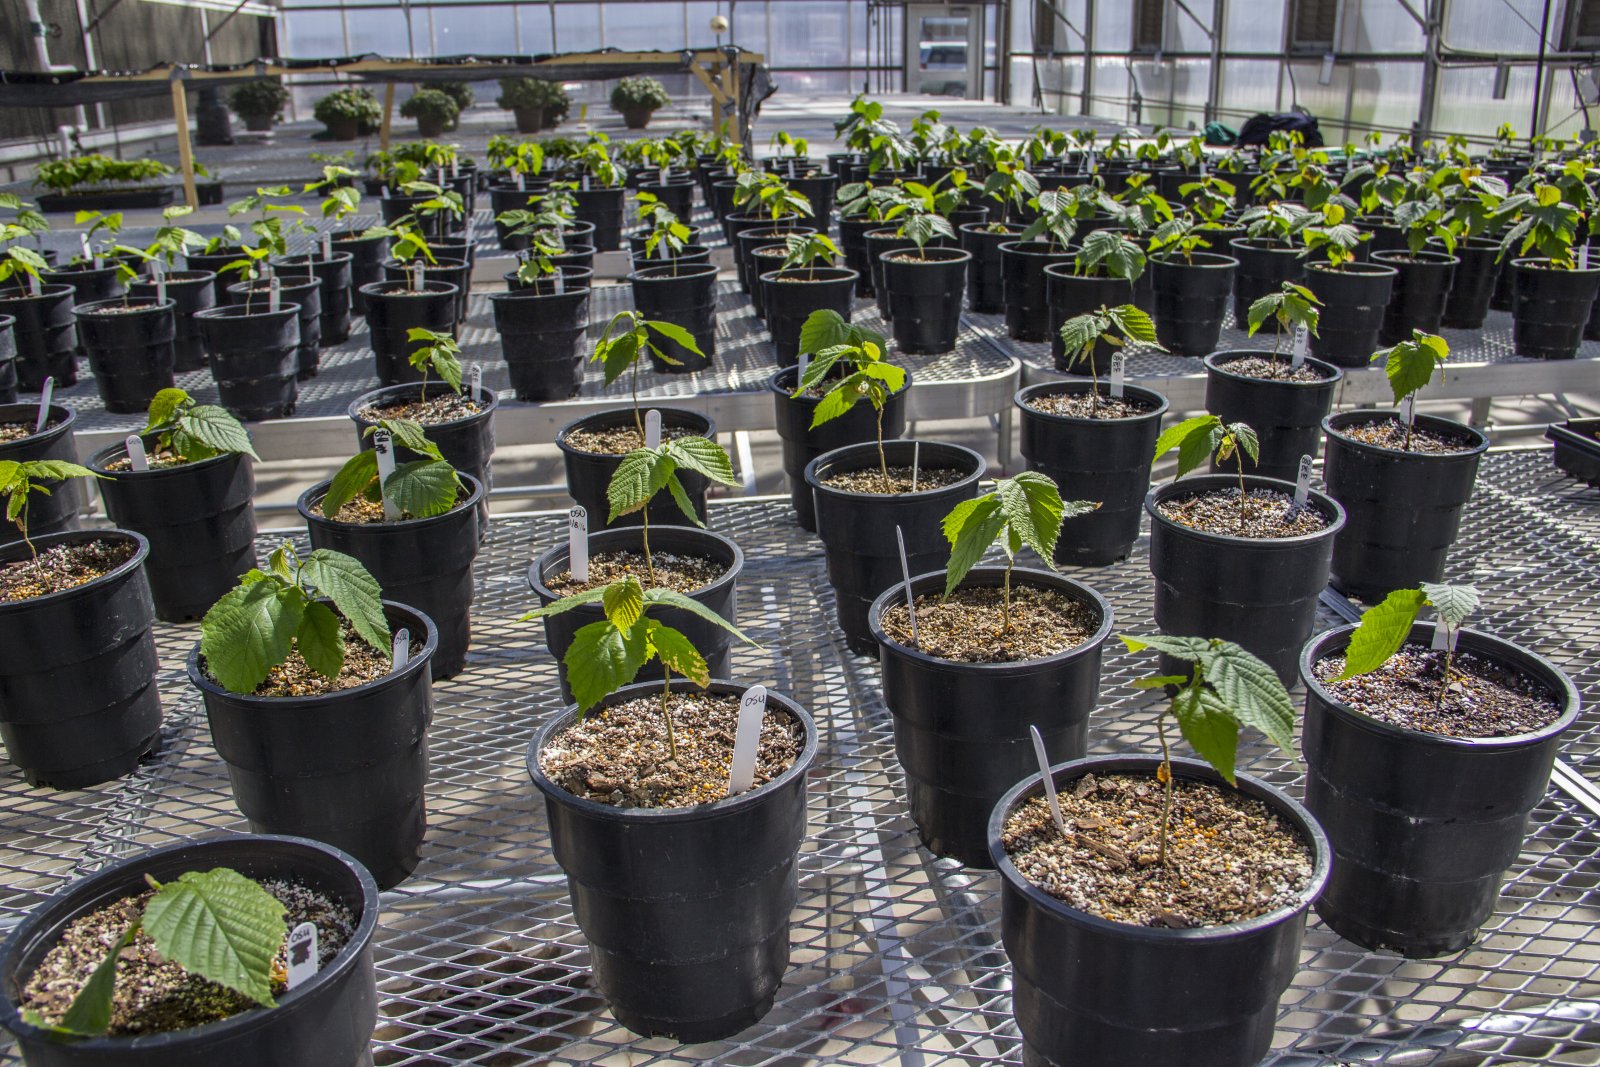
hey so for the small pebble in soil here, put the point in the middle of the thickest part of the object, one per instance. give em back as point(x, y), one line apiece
point(16, 431)
point(1271, 370)
point(870, 480)
point(1483, 698)
point(673, 570)
point(1391, 433)
point(619, 440)
point(1229, 857)
point(1267, 513)
point(620, 755)
point(61, 567)
point(1078, 406)
point(435, 410)
point(969, 625)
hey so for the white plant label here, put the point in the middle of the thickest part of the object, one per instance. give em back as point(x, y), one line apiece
point(33, 285)
point(916, 456)
point(792, 174)
point(1444, 638)
point(44, 405)
point(652, 429)
point(1202, 168)
point(1049, 780)
point(578, 543)
point(747, 739)
point(83, 248)
point(302, 954)
point(475, 379)
point(400, 654)
point(136, 457)
point(522, 182)
point(1583, 256)
point(416, 277)
point(559, 279)
point(1302, 483)
point(1408, 410)
point(383, 445)
point(1301, 347)
point(161, 281)
point(274, 294)
point(661, 176)
point(586, 183)
point(800, 375)
point(1119, 374)
point(662, 250)
point(267, 271)
point(905, 572)
point(383, 191)
point(327, 247)
point(455, 168)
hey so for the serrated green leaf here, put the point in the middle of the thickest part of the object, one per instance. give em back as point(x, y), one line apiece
point(823, 328)
point(1383, 629)
point(89, 1014)
point(677, 652)
point(1159, 681)
point(565, 604)
point(163, 407)
point(354, 592)
point(1174, 436)
point(217, 429)
point(422, 488)
point(55, 470)
point(1209, 729)
point(635, 481)
point(1263, 309)
point(1453, 602)
point(980, 526)
point(602, 660)
point(282, 562)
point(1033, 508)
point(674, 599)
point(409, 435)
point(674, 332)
point(219, 925)
point(840, 399)
point(702, 456)
point(1251, 692)
point(1195, 448)
point(320, 639)
point(623, 603)
point(1184, 648)
point(351, 480)
point(681, 497)
point(1245, 438)
point(1134, 323)
point(248, 631)
point(617, 354)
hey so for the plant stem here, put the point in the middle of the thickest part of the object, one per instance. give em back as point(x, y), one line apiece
point(1005, 611)
point(1094, 380)
point(1239, 455)
point(883, 462)
point(649, 560)
point(1166, 795)
point(666, 712)
point(638, 420)
point(1444, 683)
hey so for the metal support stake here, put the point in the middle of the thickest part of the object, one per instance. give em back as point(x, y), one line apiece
point(1431, 32)
point(180, 115)
point(388, 116)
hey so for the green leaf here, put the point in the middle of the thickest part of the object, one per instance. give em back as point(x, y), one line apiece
point(1174, 436)
point(1245, 438)
point(823, 328)
point(163, 407)
point(1453, 602)
point(703, 457)
point(352, 479)
point(56, 470)
point(681, 498)
point(1263, 309)
point(674, 599)
point(1159, 681)
point(979, 526)
point(677, 652)
point(623, 603)
point(674, 332)
point(423, 488)
point(248, 632)
point(1194, 449)
point(840, 399)
point(565, 604)
point(1033, 509)
point(602, 660)
point(1251, 691)
point(355, 593)
point(89, 1013)
point(635, 481)
point(1134, 323)
point(219, 925)
point(410, 435)
point(1410, 364)
point(1209, 729)
point(1190, 649)
point(216, 428)
point(1383, 629)
point(618, 354)
point(320, 639)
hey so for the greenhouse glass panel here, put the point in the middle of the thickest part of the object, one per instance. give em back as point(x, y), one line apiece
point(578, 27)
point(315, 33)
point(644, 27)
point(383, 31)
point(1253, 27)
point(478, 30)
point(812, 33)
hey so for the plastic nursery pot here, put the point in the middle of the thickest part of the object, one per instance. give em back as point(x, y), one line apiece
point(961, 729)
point(130, 350)
point(1287, 416)
point(191, 292)
point(1022, 265)
point(1354, 300)
point(366, 263)
point(986, 292)
point(457, 273)
point(685, 296)
point(1576, 451)
point(677, 195)
point(686, 910)
point(572, 277)
point(78, 698)
point(857, 529)
point(90, 284)
point(467, 443)
point(1551, 308)
point(58, 511)
point(8, 361)
point(853, 245)
point(602, 209)
point(638, 239)
point(750, 238)
point(589, 473)
point(1069, 295)
point(877, 242)
point(1467, 304)
point(791, 297)
point(925, 297)
point(1260, 592)
point(1423, 826)
point(720, 596)
point(214, 262)
point(1088, 992)
point(1191, 298)
point(328, 1020)
point(306, 295)
point(197, 518)
point(1107, 460)
point(347, 768)
point(45, 335)
point(425, 564)
point(801, 443)
point(394, 309)
point(1422, 284)
point(540, 339)
point(819, 188)
point(1403, 508)
point(334, 278)
point(255, 357)
point(1264, 265)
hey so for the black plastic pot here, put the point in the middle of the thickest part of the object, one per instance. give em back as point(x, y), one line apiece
point(1070, 294)
point(90, 284)
point(45, 336)
point(1259, 592)
point(306, 295)
point(427, 563)
point(588, 473)
point(1088, 992)
point(78, 698)
point(925, 297)
point(877, 242)
point(457, 273)
point(572, 277)
point(1404, 508)
point(603, 209)
point(819, 188)
point(687, 297)
point(130, 351)
point(334, 292)
point(683, 257)
point(327, 1021)
point(791, 297)
point(1422, 285)
point(190, 292)
point(366, 263)
point(254, 358)
point(801, 443)
point(539, 340)
point(1468, 302)
point(8, 361)
point(750, 238)
point(721, 596)
point(393, 310)
point(467, 443)
point(1191, 299)
point(639, 238)
point(853, 244)
point(686, 910)
point(1022, 265)
point(1423, 827)
point(857, 529)
point(1287, 416)
point(1104, 460)
point(197, 518)
point(1551, 309)
point(1354, 300)
point(214, 262)
point(58, 511)
point(1264, 265)
point(961, 729)
point(764, 260)
point(986, 293)
point(347, 768)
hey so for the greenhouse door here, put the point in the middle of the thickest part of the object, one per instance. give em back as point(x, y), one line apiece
point(944, 50)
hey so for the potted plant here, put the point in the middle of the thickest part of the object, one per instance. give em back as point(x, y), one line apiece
point(862, 207)
point(540, 322)
point(1473, 200)
point(1009, 185)
point(42, 314)
point(304, 290)
point(94, 272)
point(1403, 481)
point(190, 496)
point(925, 286)
point(1554, 295)
point(637, 98)
point(460, 92)
point(1192, 288)
point(1284, 396)
point(989, 652)
point(1197, 951)
point(598, 194)
point(1268, 254)
point(434, 111)
point(129, 346)
point(1241, 556)
point(321, 719)
point(820, 413)
point(191, 291)
point(771, 211)
point(259, 103)
point(93, 182)
point(411, 301)
point(683, 296)
point(1102, 274)
point(365, 248)
point(1354, 294)
point(220, 910)
point(689, 937)
point(415, 528)
point(1424, 276)
point(536, 103)
point(1400, 715)
point(347, 113)
point(1045, 240)
point(800, 288)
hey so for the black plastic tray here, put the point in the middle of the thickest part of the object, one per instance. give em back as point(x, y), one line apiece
point(1578, 449)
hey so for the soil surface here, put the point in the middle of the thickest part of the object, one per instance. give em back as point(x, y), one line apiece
point(158, 461)
point(1076, 405)
point(62, 567)
point(431, 412)
point(969, 626)
point(123, 309)
point(16, 431)
point(1482, 699)
point(1267, 514)
point(686, 574)
point(1229, 857)
point(620, 440)
point(362, 664)
point(620, 756)
point(363, 512)
point(156, 996)
point(1391, 434)
point(1272, 370)
point(870, 480)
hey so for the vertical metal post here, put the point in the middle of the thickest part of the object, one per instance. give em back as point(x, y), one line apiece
point(180, 114)
point(1536, 129)
point(1219, 15)
point(1087, 95)
point(1431, 32)
point(388, 116)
